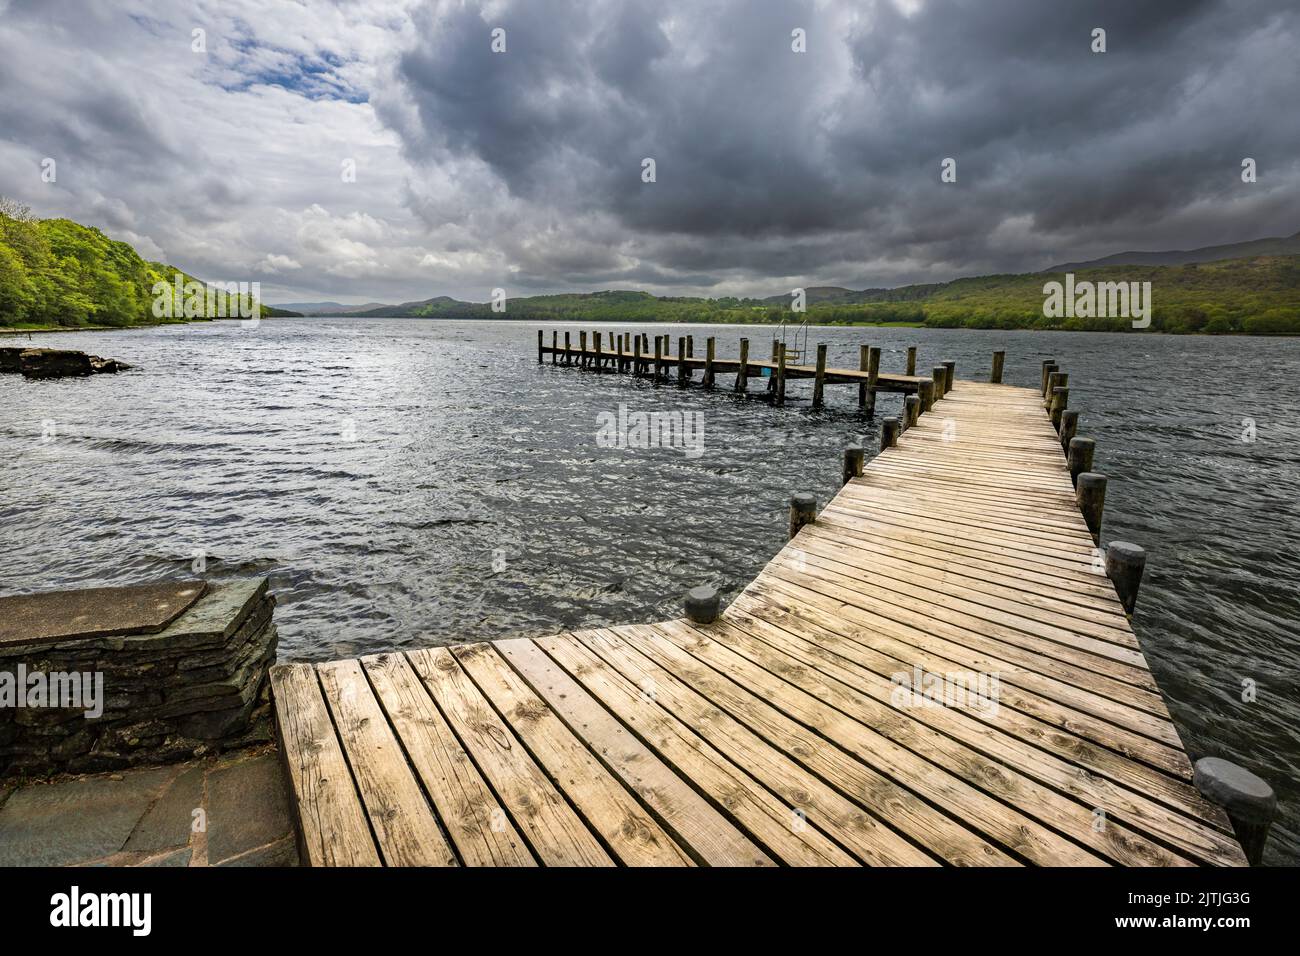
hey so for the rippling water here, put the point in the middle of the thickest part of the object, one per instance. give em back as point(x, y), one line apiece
point(408, 482)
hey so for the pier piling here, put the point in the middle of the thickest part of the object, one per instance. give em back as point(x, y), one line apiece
point(702, 604)
point(1090, 495)
point(995, 376)
point(803, 510)
point(853, 461)
point(949, 376)
point(926, 392)
point(819, 379)
point(1060, 398)
point(889, 432)
point(1069, 425)
point(708, 362)
point(911, 360)
point(1248, 800)
point(780, 374)
point(742, 374)
point(912, 407)
point(1079, 457)
point(1125, 563)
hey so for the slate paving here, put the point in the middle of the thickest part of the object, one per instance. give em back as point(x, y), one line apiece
point(221, 811)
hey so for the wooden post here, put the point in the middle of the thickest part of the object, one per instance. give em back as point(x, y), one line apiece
point(1124, 565)
point(555, 338)
point(568, 350)
point(1248, 800)
point(819, 379)
point(1090, 495)
point(539, 346)
point(681, 360)
point(949, 376)
point(771, 379)
point(853, 456)
point(1048, 368)
point(1069, 425)
point(1060, 398)
point(864, 359)
point(780, 374)
point(659, 358)
point(912, 405)
point(708, 362)
point(582, 348)
point(911, 360)
point(889, 431)
point(595, 338)
point(926, 392)
point(742, 375)
point(690, 346)
point(873, 377)
point(940, 375)
point(1079, 457)
point(636, 358)
point(995, 376)
point(702, 604)
point(1055, 379)
point(803, 510)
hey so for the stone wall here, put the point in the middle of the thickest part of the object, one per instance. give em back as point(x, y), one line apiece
point(199, 686)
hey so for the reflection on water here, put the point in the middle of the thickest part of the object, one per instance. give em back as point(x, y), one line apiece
point(409, 482)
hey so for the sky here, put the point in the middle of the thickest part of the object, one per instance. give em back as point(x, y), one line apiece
point(524, 169)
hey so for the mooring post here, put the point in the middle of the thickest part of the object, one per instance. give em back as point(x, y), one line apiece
point(771, 379)
point(636, 358)
point(949, 376)
point(708, 362)
point(1069, 425)
point(926, 391)
point(889, 432)
point(1056, 379)
point(582, 348)
point(940, 376)
point(568, 350)
point(911, 360)
point(659, 359)
point(873, 379)
point(1125, 562)
point(539, 346)
point(599, 361)
point(819, 379)
point(742, 373)
point(1248, 800)
point(864, 359)
point(681, 360)
point(912, 405)
point(995, 376)
point(1048, 366)
point(803, 510)
point(690, 346)
point(702, 604)
point(1090, 495)
point(1079, 457)
point(555, 338)
point(853, 459)
point(1060, 398)
point(780, 374)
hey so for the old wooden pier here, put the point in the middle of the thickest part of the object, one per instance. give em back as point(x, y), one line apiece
point(635, 353)
point(802, 723)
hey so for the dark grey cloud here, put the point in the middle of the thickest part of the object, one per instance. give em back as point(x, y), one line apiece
point(523, 170)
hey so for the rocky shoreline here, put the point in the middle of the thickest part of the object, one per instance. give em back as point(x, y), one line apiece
point(37, 363)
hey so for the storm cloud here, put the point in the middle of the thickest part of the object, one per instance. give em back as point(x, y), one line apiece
point(523, 169)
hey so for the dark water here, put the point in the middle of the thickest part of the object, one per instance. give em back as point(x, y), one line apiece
point(414, 482)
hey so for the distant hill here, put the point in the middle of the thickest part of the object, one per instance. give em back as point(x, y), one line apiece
point(329, 308)
point(1286, 246)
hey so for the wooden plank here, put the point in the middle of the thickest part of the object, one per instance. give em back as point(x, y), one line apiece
point(692, 821)
point(332, 826)
point(753, 808)
point(479, 827)
point(405, 828)
point(630, 832)
point(556, 834)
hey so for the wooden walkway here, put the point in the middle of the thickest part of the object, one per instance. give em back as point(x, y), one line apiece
point(797, 728)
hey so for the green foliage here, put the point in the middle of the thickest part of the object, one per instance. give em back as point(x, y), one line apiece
point(58, 273)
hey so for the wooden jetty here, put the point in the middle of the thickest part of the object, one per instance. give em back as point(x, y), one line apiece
point(797, 726)
point(634, 353)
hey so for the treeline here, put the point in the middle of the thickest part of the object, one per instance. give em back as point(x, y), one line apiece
point(58, 273)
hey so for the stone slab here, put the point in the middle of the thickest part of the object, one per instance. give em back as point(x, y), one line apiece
point(75, 821)
point(54, 616)
point(247, 807)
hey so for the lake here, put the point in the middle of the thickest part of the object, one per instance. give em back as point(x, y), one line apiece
point(414, 482)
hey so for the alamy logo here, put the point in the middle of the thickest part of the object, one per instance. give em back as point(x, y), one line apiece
point(1086, 300)
point(963, 690)
point(74, 908)
point(75, 690)
point(679, 430)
